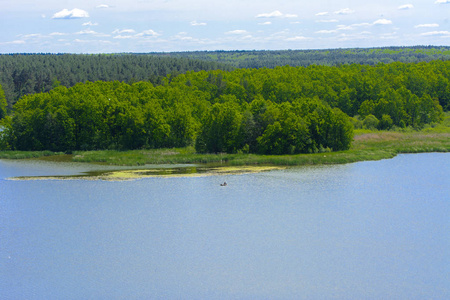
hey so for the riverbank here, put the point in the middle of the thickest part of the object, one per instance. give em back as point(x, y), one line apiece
point(367, 145)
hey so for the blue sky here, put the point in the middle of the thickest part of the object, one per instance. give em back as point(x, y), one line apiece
point(109, 26)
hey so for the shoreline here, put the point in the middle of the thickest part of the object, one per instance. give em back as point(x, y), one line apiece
point(366, 147)
point(125, 175)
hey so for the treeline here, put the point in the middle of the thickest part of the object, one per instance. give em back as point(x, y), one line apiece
point(115, 115)
point(22, 74)
point(328, 57)
point(269, 111)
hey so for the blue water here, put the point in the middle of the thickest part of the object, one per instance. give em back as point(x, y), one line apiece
point(368, 230)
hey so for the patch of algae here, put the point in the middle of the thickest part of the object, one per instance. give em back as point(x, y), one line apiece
point(166, 173)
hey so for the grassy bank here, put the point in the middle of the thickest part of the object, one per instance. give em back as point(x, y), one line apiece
point(367, 145)
point(27, 154)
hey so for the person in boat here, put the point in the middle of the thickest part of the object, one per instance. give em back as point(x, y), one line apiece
point(223, 184)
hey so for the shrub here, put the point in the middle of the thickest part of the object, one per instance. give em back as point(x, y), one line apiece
point(370, 122)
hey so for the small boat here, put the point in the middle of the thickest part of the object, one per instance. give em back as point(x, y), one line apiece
point(223, 184)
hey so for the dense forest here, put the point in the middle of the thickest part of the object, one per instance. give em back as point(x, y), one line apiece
point(329, 57)
point(22, 74)
point(269, 111)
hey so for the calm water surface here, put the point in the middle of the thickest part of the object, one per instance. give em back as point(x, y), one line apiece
point(368, 230)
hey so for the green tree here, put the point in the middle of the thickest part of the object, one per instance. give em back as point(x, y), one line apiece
point(370, 122)
point(220, 129)
point(289, 134)
point(182, 125)
point(157, 130)
point(385, 123)
point(340, 136)
point(3, 103)
point(6, 133)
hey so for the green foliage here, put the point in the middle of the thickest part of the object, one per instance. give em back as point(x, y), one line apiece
point(385, 123)
point(22, 74)
point(285, 110)
point(367, 146)
point(329, 57)
point(3, 103)
point(370, 122)
point(356, 122)
point(220, 129)
point(6, 134)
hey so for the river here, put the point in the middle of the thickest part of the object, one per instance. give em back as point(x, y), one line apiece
point(367, 230)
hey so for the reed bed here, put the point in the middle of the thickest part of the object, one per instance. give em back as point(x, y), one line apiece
point(367, 145)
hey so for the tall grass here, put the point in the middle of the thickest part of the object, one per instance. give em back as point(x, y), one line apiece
point(367, 145)
point(25, 154)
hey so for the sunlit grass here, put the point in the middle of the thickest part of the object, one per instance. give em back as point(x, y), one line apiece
point(367, 145)
point(25, 154)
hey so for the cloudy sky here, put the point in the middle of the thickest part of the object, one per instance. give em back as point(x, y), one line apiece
point(107, 26)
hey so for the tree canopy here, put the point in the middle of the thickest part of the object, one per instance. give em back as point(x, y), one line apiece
point(22, 74)
point(329, 57)
point(269, 111)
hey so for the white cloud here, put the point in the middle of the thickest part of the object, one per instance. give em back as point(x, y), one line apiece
point(344, 11)
point(362, 25)
point(16, 42)
point(354, 26)
point(57, 33)
point(195, 23)
point(442, 2)
point(123, 37)
point(265, 23)
point(354, 37)
point(276, 14)
point(31, 35)
point(382, 22)
point(426, 25)
point(326, 31)
point(443, 33)
point(87, 31)
point(327, 21)
point(90, 24)
point(71, 14)
point(273, 14)
point(92, 41)
point(345, 27)
point(239, 31)
point(128, 34)
point(321, 14)
point(182, 36)
point(102, 6)
point(297, 38)
point(120, 31)
point(406, 6)
point(148, 33)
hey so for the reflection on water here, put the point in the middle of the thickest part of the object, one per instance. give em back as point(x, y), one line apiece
point(369, 230)
point(42, 168)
